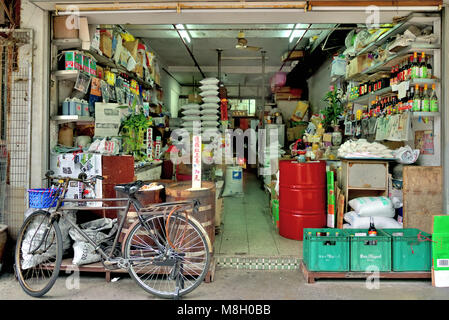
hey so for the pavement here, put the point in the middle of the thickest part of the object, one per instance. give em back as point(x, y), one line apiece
point(233, 284)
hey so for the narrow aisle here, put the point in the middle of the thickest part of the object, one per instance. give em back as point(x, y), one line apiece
point(247, 228)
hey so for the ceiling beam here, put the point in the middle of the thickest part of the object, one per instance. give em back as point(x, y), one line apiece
point(190, 51)
point(228, 69)
point(321, 37)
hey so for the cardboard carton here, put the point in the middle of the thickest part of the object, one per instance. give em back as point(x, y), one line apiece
point(132, 47)
point(106, 43)
point(60, 30)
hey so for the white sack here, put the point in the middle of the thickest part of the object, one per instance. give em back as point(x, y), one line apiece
point(372, 206)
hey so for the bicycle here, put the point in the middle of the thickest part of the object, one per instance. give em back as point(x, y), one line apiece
point(166, 251)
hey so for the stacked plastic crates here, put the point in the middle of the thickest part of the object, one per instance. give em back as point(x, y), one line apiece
point(399, 250)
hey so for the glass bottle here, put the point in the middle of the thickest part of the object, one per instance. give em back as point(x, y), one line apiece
point(416, 100)
point(434, 100)
point(415, 66)
point(429, 68)
point(423, 66)
point(425, 104)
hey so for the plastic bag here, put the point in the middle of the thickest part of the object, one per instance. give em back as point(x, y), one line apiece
point(372, 207)
point(358, 222)
point(84, 252)
point(30, 261)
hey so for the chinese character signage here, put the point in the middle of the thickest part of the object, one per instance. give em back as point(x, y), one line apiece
point(196, 162)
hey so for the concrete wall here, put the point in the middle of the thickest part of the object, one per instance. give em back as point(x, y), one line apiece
point(172, 90)
point(36, 19)
point(319, 84)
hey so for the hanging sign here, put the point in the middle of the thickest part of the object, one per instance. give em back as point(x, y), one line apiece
point(157, 148)
point(150, 143)
point(196, 162)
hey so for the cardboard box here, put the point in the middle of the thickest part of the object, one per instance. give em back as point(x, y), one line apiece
point(93, 67)
point(106, 43)
point(295, 55)
point(60, 30)
point(79, 61)
point(132, 47)
point(139, 71)
point(86, 63)
point(358, 64)
point(195, 98)
point(69, 60)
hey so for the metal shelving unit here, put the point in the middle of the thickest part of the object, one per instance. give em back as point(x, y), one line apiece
point(100, 59)
point(67, 119)
point(413, 19)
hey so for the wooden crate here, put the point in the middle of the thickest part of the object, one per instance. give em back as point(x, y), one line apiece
point(422, 196)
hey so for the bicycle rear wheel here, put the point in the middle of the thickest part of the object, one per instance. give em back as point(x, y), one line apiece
point(38, 254)
point(152, 258)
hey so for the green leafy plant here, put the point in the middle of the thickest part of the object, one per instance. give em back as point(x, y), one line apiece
point(334, 108)
point(132, 130)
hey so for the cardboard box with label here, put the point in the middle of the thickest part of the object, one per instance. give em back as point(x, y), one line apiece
point(63, 28)
point(106, 43)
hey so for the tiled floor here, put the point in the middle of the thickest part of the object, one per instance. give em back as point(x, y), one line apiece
point(248, 230)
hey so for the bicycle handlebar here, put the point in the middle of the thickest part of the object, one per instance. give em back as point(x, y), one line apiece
point(82, 177)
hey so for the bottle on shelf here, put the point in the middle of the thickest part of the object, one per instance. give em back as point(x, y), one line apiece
point(415, 66)
point(410, 97)
point(429, 68)
point(425, 102)
point(423, 66)
point(397, 72)
point(434, 100)
point(408, 71)
point(416, 100)
point(392, 76)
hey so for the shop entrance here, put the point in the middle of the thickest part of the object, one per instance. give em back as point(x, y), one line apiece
point(267, 71)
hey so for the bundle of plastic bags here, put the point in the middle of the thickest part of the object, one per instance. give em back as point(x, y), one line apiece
point(406, 155)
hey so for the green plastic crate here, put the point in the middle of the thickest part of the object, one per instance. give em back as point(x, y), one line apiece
point(319, 256)
point(409, 253)
point(366, 257)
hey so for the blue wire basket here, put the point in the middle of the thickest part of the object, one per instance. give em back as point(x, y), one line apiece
point(43, 198)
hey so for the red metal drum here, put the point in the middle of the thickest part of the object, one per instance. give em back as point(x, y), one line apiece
point(302, 197)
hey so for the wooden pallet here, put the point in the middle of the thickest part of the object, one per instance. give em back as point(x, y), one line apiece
point(311, 276)
point(67, 266)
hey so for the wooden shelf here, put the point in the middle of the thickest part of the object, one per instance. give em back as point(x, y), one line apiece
point(311, 276)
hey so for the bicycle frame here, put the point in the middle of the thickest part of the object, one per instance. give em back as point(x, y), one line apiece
point(131, 200)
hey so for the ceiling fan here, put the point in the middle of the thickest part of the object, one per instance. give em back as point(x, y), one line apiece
point(242, 43)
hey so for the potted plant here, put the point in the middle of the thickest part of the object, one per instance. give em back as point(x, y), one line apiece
point(333, 110)
point(133, 129)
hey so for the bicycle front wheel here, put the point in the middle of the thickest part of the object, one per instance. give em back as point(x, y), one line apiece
point(167, 260)
point(38, 253)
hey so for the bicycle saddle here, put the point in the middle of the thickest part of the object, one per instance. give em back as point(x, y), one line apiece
point(129, 188)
